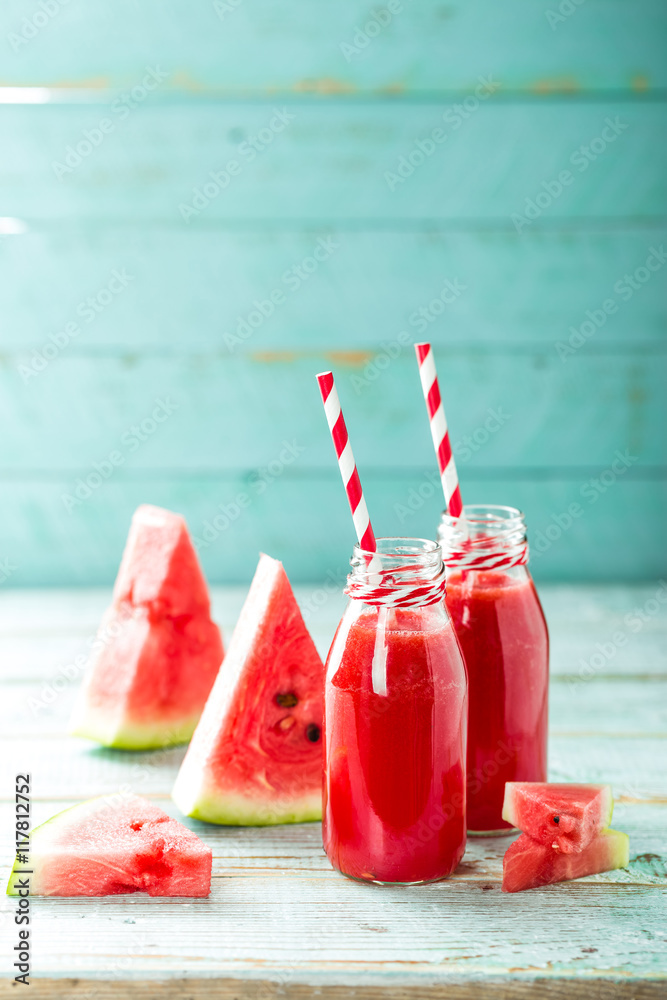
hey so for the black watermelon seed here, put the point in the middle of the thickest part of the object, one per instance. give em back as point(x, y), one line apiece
point(556, 820)
point(312, 732)
point(288, 700)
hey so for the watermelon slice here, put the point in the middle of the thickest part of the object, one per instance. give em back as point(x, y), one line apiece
point(256, 756)
point(112, 845)
point(157, 651)
point(528, 865)
point(567, 817)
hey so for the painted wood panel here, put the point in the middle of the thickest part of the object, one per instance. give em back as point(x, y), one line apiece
point(330, 161)
point(213, 987)
point(304, 522)
point(329, 927)
point(525, 410)
point(217, 83)
point(193, 291)
point(623, 707)
point(284, 47)
point(423, 926)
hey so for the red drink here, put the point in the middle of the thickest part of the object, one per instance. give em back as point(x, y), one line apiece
point(395, 722)
point(503, 635)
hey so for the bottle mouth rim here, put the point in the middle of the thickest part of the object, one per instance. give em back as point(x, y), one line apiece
point(487, 536)
point(487, 514)
point(401, 572)
point(400, 549)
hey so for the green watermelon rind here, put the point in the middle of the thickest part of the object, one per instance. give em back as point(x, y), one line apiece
point(229, 809)
point(621, 855)
point(105, 731)
point(50, 826)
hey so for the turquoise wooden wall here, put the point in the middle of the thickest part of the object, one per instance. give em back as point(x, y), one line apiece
point(122, 339)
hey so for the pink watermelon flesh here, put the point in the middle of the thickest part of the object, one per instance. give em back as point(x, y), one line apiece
point(116, 844)
point(157, 651)
point(567, 817)
point(528, 865)
point(160, 568)
point(256, 756)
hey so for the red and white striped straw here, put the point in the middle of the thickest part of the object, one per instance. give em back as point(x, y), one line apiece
point(439, 432)
point(346, 463)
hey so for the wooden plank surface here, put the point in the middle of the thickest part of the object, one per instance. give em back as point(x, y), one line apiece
point(143, 407)
point(234, 989)
point(45, 542)
point(534, 403)
point(75, 548)
point(283, 47)
point(207, 280)
point(279, 918)
point(330, 161)
point(223, 67)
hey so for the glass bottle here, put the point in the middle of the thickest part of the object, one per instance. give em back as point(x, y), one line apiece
point(503, 635)
point(395, 722)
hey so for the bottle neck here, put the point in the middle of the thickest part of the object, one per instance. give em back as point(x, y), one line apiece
point(483, 538)
point(403, 572)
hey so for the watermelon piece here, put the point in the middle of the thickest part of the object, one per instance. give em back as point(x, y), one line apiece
point(256, 756)
point(567, 817)
point(528, 865)
point(157, 651)
point(111, 845)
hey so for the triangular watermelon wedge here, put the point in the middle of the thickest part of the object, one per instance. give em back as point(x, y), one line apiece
point(256, 756)
point(529, 865)
point(157, 651)
point(110, 845)
point(567, 817)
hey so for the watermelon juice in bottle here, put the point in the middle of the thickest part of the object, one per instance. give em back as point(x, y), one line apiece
point(395, 722)
point(503, 635)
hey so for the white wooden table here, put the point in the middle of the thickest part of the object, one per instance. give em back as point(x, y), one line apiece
point(280, 921)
